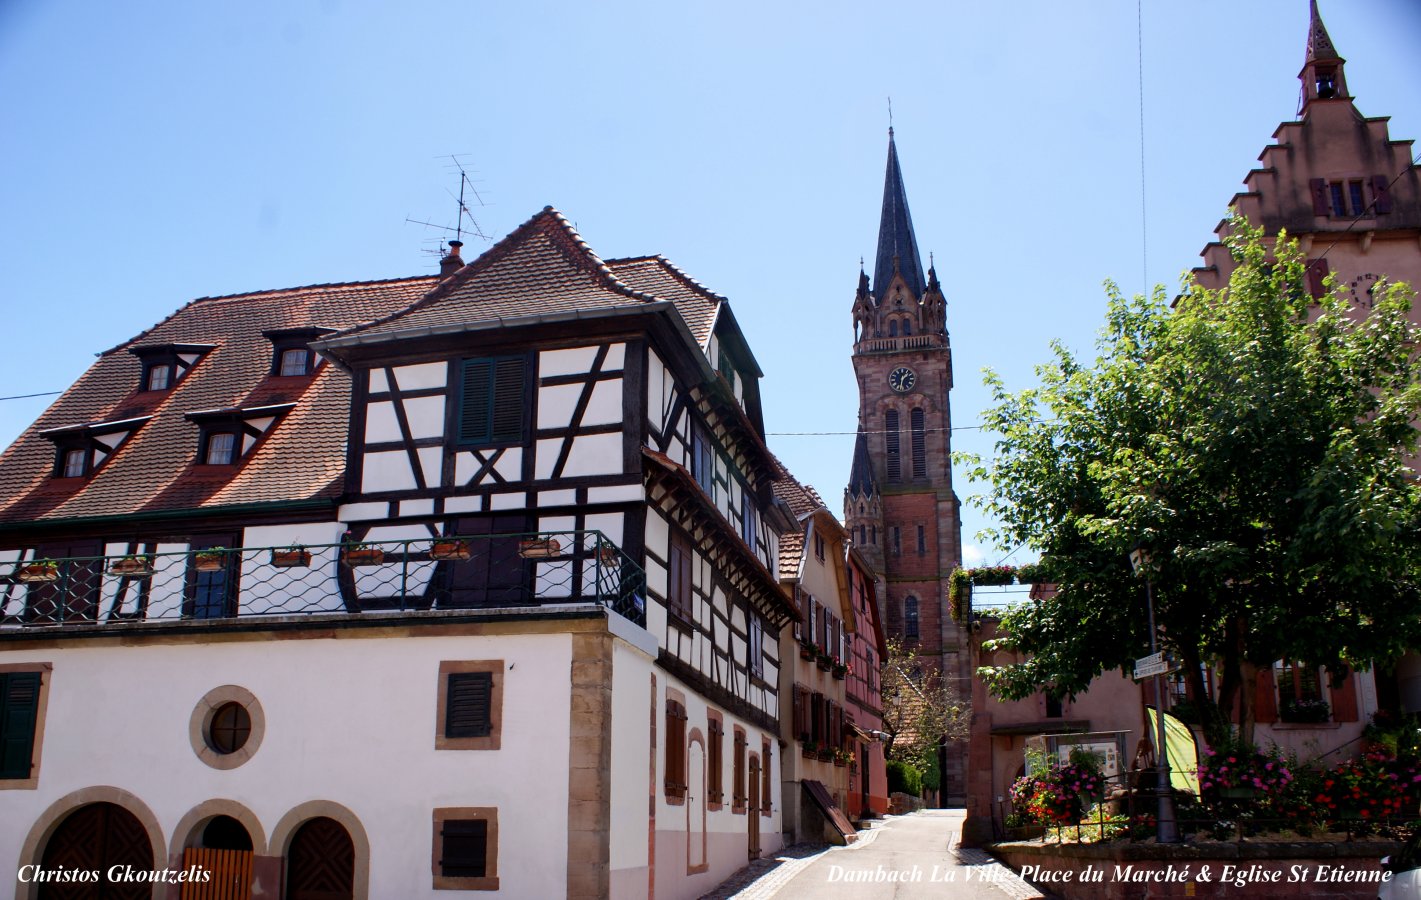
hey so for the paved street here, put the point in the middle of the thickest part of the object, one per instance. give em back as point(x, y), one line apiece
point(902, 857)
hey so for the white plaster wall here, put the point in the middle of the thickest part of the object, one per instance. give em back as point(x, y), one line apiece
point(314, 589)
point(423, 375)
point(425, 416)
point(386, 471)
point(632, 711)
point(380, 422)
point(348, 720)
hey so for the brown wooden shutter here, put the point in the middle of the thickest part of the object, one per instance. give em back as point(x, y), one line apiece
point(1265, 699)
point(1344, 700)
point(1317, 270)
point(1381, 190)
point(468, 699)
point(766, 807)
point(739, 786)
point(1321, 203)
point(464, 853)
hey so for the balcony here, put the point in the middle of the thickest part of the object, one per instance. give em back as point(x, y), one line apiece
point(895, 344)
point(541, 571)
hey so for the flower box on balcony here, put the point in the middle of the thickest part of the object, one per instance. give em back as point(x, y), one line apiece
point(840, 761)
point(209, 560)
point(132, 567)
point(808, 651)
point(826, 755)
point(809, 750)
point(607, 553)
point(38, 572)
point(292, 558)
point(825, 662)
point(539, 548)
point(840, 672)
point(362, 556)
point(450, 549)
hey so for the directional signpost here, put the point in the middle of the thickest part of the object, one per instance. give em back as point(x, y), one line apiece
point(1152, 665)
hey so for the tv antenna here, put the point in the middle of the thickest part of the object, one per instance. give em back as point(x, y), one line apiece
point(464, 221)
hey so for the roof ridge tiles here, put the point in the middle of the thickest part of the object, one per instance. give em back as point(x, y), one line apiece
point(677, 272)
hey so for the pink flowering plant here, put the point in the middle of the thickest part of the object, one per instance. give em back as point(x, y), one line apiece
point(1237, 767)
point(1059, 795)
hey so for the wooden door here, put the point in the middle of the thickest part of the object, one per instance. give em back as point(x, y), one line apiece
point(753, 813)
point(495, 574)
point(320, 865)
point(98, 837)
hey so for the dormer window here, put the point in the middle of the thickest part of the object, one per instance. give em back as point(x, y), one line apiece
point(291, 353)
point(226, 436)
point(164, 365)
point(82, 449)
point(219, 448)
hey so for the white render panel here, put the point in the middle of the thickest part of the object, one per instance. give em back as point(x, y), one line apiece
point(616, 357)
point(379, 384)
point(517, 500)
point(557, 498)
point(189, 358)
point(111, 440)
point(546, 457)
point(610, 524)
point(594, 454)
point(247, 442)
point(417, 507)
point(464, 468)
point(510, 464)
point(655, 392)
point(605, 406)
point(556, 404)
point(621, 493)
point(555, 523)
point(425, 416)
point(464, 504)
point(572, 361)
point(261, 424)
point(424, 375)
point(356, 512)
point(386, 471)
point(431, 460)
point(307, 689)
point(289, 590)
point(381, 425)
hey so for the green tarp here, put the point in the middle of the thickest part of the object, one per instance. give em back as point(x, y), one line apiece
point(1183, 751)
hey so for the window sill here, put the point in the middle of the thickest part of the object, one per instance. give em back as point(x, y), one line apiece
point(1307, 726)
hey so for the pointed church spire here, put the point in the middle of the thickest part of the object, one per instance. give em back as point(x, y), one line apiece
point(1322, 75)
point(861, 480)
point(897, 246)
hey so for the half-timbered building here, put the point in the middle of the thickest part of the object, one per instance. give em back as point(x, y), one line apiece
point(383, 589)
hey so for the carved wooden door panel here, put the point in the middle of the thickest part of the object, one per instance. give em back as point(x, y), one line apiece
point(98, 837)
point(321, 862)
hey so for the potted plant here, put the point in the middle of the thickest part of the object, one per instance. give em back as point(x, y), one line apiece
point(293, 557)
point(840, 671)
point(825, 662)
point(826, 754)
point(607, 553)
point(41, 570)
point(809, 749)
point(358, 553)
point(1305, 710)
point(450, 548)
point(539, 548)
point(136, 565)
point(842, 758)
point(807, 650)
point(211, 559)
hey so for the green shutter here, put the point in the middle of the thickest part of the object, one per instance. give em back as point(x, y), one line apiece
point(19, 707)
point(492, 405)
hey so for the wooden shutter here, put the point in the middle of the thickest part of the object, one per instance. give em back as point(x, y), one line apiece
point(739, 786)
point(1344, 699)
point(920, 451)
point(476, 403)
point(19, 707)
point(508, 391)
point(465, 848)
point(675, 750)
point(1321, 203)
point(469, 699)
point(765, 784)
point(1317, 270)
point(714, 763)
point(1265, 700)
point(1381, 192)
point(680, 578)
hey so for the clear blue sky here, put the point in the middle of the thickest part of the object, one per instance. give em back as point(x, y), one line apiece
point(156, 152)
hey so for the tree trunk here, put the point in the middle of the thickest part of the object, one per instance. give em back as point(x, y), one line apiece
point(1211, 719)
point(1247, 700)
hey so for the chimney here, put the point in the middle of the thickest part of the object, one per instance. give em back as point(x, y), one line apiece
point(451, 262)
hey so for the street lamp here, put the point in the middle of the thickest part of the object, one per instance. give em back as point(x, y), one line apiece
point(1140, 562)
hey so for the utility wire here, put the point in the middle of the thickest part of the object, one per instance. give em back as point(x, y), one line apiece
point(23, 396)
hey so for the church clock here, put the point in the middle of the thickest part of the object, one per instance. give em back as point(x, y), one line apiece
point(902, 379)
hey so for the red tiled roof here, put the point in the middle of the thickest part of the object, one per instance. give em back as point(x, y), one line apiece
point(154, 469)
point(655, 275)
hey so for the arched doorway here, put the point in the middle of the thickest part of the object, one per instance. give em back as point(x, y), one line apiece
point(98, 837)
point(320, 863)
point(223, 848)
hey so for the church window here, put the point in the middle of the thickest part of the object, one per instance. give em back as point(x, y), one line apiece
point(907, 327)
point(893, 328)
point(1354, 189)
point(897, 541)
point(922, 541)
point(890, 436)
point(1339, 208)
point(873, 532)
point(1326, 83)
point(910, 618)
point(920, 448)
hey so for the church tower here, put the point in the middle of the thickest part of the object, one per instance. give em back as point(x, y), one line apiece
point(900, 506)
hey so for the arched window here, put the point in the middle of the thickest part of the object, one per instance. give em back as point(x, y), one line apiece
point(907, 326)
point(920, 450)
point(894, 461)
point(893, 328)
point(910, 618)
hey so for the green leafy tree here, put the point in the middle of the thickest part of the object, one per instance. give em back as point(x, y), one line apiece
point(920, 709)
point(1253, 440)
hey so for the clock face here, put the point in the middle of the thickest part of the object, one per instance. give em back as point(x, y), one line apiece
point(1362, 289)
point(902, 379)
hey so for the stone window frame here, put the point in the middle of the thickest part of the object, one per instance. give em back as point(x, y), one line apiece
point(200, 724)
point(491, 741)
point(45, 670)
point(489, 881)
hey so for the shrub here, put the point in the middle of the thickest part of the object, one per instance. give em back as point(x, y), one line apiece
point(1059, 795)
point(903, 778)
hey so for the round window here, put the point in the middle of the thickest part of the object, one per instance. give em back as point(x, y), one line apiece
point(230, 728)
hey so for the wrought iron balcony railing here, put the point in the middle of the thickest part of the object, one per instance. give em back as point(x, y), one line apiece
point(480, 572)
